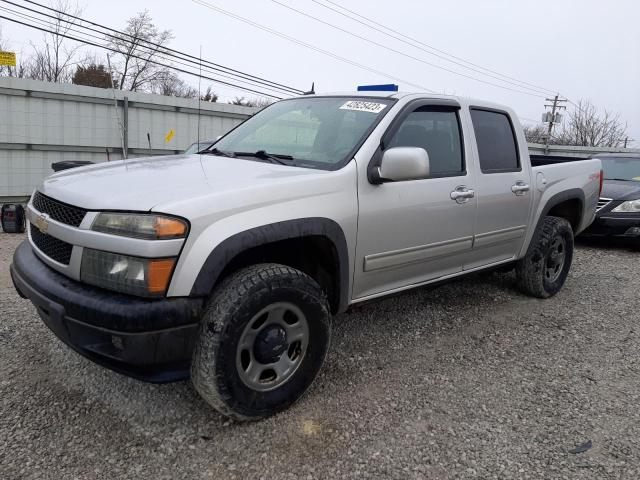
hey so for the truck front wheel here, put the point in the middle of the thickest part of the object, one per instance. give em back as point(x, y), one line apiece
point(263, 338)
point(544, 269)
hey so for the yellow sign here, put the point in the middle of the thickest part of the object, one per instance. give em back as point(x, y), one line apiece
point(169, 136)
point(8, 59)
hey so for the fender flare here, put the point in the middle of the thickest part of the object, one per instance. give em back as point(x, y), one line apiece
point(229, 248)
point(555, 200)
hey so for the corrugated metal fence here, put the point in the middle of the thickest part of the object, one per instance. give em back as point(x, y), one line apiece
point(571, 151)
point(42, 123)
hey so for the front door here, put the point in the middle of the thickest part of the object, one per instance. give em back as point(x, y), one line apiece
point(414, 231)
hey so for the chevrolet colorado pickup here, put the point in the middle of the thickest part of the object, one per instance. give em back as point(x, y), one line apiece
point(227, 266)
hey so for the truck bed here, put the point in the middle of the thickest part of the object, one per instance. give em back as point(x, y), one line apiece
point(563, 175)
point(539, 160)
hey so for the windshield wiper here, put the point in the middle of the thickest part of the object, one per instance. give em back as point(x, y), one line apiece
point(621, 179)
point(220, 153)
point(263, 155)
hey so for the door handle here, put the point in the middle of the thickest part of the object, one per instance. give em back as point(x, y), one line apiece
point(462, 194)
point(520, 188)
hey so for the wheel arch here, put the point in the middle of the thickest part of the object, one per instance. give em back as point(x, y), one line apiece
point(568, 204)
point(317, 246)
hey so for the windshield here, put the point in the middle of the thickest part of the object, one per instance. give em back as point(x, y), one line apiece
point(197, 147)
point(319, 132)
point(621, 168)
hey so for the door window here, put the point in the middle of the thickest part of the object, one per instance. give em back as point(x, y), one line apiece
point(497, 146)
point(438, 132)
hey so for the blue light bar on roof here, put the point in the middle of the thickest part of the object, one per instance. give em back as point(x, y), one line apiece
point(388, 87)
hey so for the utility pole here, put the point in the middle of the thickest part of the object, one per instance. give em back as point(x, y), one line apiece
point(115, 101)
point(552, 117)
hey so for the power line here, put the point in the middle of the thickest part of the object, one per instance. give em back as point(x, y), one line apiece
point(408, 40)
point(215, 66)
point(83, 40)
point(138, 57)
point(528, 119)
point(307, 45)
point(399, 52)
point(141, 45)
point(413, 41)
point(194, 58)
point(160, 55)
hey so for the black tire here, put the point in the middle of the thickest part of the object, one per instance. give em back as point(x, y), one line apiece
point(537, 273)
point(215, 373)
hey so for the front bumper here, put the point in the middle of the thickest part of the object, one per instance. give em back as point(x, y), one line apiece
point(626, 227)
point(148, 339)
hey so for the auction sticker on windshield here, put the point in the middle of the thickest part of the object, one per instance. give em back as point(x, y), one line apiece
point(360, 106)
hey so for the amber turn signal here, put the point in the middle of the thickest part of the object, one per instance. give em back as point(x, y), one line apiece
point(159, 274)
point(170, 228)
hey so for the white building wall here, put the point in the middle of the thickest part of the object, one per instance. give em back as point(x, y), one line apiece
point(42, 123)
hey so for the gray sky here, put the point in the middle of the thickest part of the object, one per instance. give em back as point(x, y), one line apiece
point(580, 48)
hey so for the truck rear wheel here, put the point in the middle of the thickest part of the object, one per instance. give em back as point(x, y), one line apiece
point(544, 269)
point(263, 338)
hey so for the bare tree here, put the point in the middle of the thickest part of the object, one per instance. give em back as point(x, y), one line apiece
point(54, 61)
point(6, 70)
point(170, 84)
point(261, 102)
point(252, 102)
point(535, 134)
point(2, 48)
point(585, 126)
point(209, 96)
point(137, 51)
point(138, 63)
point(238, 101)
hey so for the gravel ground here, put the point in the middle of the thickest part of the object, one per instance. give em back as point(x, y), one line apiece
point(470, 380)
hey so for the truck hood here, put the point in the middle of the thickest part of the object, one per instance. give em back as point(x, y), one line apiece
point(144, 183)
point(621, 190)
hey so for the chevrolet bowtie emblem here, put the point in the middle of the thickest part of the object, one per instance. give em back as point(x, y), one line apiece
point(42, 223)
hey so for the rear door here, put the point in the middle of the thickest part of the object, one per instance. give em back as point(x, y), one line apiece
point(504, 189)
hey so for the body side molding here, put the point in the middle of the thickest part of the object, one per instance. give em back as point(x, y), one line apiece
point(417, 254)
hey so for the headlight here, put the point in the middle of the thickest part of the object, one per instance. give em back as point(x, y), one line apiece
point(149, 227)
point(148, 277)
point(632, 206)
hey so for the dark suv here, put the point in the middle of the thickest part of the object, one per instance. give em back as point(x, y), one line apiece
point(618, 213)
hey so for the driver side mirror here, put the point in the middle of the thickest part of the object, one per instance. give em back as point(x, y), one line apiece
point(404, 163)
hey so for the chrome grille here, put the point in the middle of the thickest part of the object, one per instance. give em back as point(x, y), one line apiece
point(58, 211)
point(603, 202)
point(52, 247)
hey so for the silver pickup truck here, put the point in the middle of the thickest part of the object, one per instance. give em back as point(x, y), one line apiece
point(226, 266)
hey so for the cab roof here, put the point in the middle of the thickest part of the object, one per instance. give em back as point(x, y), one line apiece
point(463, 101)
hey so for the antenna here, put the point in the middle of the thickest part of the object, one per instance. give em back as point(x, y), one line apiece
point(313, 89)
point(199, 97)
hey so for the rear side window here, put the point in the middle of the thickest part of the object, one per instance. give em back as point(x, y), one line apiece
point(496, 141)
point(438, 132)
